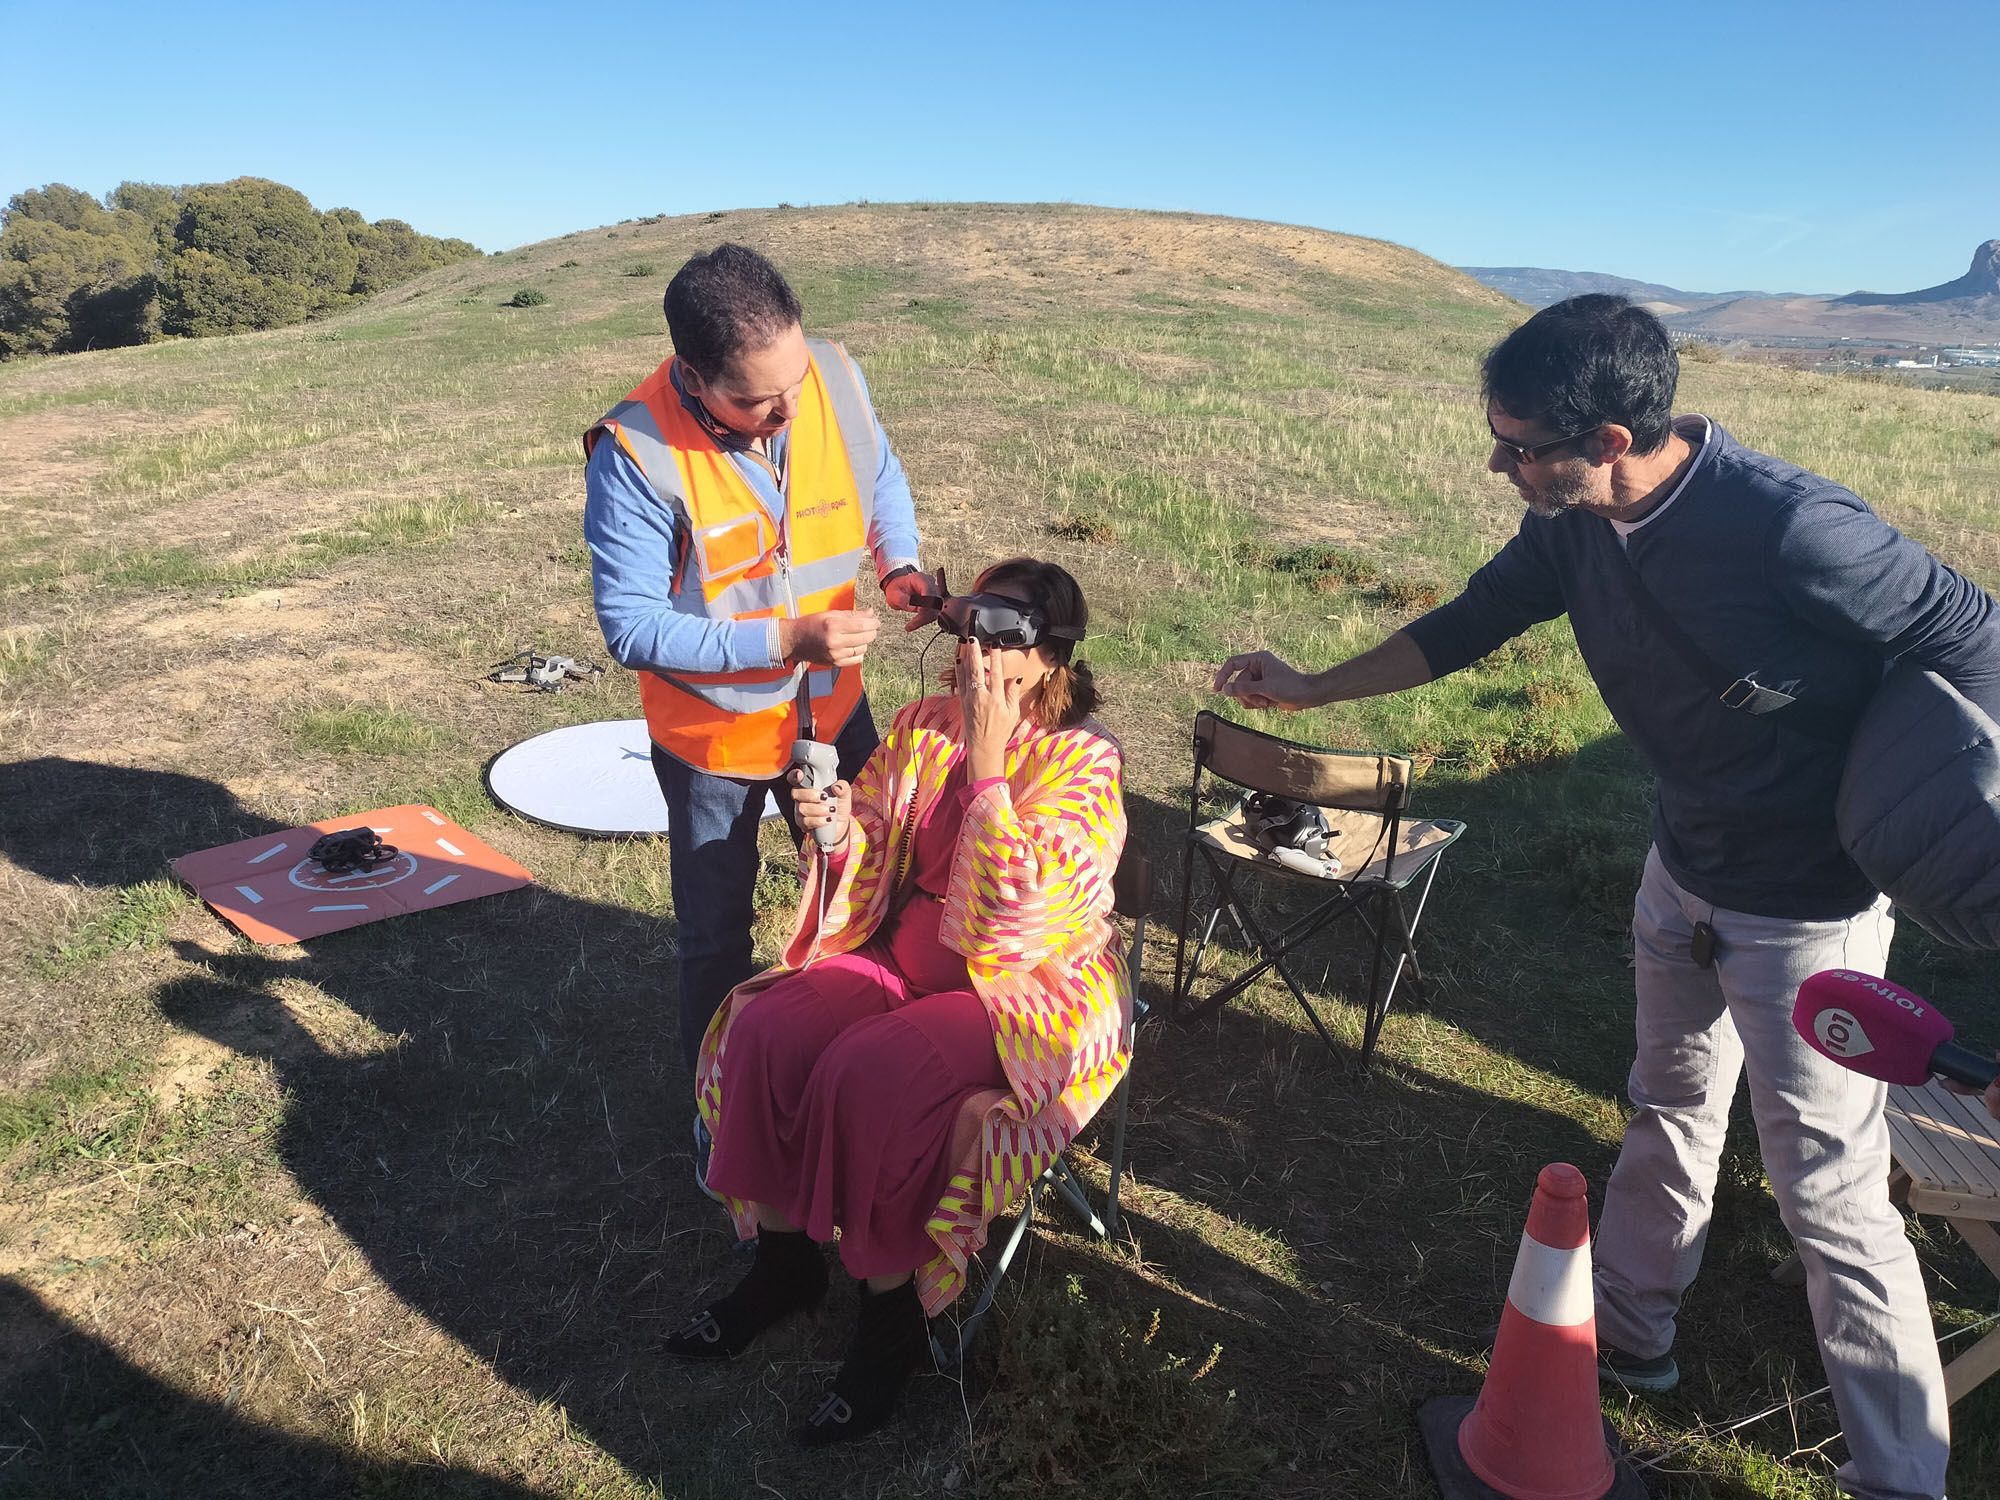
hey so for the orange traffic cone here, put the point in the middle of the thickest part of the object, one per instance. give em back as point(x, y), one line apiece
point(1536, 1431)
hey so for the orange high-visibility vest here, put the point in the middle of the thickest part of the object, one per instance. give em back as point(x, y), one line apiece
point(738, 563)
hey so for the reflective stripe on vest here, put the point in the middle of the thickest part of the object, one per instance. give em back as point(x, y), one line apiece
point(734, 564)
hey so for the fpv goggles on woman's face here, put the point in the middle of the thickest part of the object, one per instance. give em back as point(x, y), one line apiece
point(994, 620)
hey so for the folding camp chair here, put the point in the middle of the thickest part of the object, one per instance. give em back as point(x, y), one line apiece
point(1383, 854)
point(1132, 895)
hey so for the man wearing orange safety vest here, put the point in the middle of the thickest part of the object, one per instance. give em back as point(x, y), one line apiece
point(731, 497)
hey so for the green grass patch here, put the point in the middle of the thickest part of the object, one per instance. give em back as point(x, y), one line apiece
point(1083, 1389)
point(207, 1163)
point(23, 653)
point(136, 917)
point(401, 526)
point(363, 729)
point(459, 795)
point(30, 1112)
point(409, 523)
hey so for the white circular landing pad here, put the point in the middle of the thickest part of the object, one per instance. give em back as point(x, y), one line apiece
point(593, 779)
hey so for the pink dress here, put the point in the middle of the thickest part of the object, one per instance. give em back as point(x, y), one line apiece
point(845, 1080)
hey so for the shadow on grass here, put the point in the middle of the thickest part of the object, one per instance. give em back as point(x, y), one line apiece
point(1402, 1191)
point(1524, 942)
point(505, 1141)
point(82, 1420)
point(503, 1132)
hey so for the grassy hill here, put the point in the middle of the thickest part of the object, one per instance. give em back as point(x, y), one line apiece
point(407, 1212)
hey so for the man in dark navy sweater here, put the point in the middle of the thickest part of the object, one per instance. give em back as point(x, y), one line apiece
point(1785, 586)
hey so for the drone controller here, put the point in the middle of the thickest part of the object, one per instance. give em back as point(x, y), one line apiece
point(815, 764)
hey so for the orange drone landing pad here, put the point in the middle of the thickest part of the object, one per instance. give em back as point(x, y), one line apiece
point(268, 890)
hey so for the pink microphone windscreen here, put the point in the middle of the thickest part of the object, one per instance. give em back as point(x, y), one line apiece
point(1870, 1025)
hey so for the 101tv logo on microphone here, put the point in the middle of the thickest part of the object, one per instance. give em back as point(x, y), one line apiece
point(1883, 1030)
point(1839, 1032)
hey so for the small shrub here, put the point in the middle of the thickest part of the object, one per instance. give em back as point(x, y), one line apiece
point(1408, 593)
point(1550, 693)
point(1083, 526)
point(1537, 738)
point(566, 265)
point(642, 268)
point(715, 216)
point(526, 297)
point(1327, 567)
point(1255, 554)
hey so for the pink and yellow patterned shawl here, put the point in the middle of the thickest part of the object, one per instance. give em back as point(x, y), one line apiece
point(1029, 906)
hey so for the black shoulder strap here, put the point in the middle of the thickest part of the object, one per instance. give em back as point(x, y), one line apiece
point(1740, 693)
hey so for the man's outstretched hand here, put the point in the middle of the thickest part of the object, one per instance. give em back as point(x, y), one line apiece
point(1258, 679)
point(903, 593)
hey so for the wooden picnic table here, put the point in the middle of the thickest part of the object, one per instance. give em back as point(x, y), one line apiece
point(1947, 1162)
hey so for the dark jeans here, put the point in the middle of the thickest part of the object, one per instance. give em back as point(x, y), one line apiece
point(712, 866)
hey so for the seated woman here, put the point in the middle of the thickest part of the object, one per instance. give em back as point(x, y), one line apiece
point(950, 1009)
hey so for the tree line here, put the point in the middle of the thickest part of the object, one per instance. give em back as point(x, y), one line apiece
point(151, 261)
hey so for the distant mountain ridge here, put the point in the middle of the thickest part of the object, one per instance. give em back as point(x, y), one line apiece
point(1539, 286)
point(1966, 309)
point(1982, 280)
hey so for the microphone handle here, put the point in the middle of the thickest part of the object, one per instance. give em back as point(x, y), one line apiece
point(1963, 1065)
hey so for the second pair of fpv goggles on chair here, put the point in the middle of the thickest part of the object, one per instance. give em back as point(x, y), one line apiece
point(994, 620)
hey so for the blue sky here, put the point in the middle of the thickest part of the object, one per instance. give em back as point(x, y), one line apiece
point(1816, 147)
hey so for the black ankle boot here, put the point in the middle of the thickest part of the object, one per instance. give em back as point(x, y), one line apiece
point(891, 1338)
point(788, 1276)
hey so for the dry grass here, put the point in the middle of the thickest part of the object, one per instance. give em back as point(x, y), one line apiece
point(405, 1212)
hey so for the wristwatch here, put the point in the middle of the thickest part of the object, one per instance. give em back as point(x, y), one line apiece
point(894, 573)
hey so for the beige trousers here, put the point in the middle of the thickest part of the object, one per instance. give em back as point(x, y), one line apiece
point(1826, 1151)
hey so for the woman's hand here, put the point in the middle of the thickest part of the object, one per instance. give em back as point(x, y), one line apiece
point(814, 810)
point(992, 706)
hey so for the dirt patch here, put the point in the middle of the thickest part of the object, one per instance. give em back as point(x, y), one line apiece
point(187, 1069)
point(41, 452)
point(53, 1237)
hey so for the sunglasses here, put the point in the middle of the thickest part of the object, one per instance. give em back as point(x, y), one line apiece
point(1528, 455)
point(995, 620)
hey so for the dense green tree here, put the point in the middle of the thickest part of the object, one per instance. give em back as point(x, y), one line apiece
point(221, 257)
point(64, 289)
point(58, 203)
point(205, 294)
point(269, 232)
point(150, 210)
